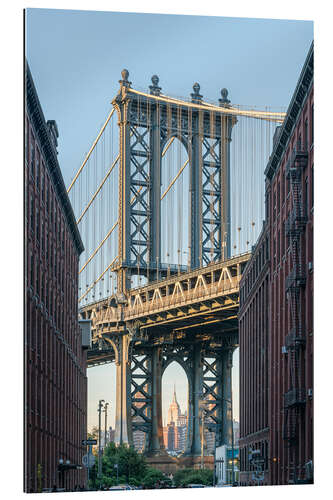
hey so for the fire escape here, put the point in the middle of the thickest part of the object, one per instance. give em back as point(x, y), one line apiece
point(295, 398)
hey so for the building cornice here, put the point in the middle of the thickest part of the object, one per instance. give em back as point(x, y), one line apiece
point(302, 89)
point(37, 118)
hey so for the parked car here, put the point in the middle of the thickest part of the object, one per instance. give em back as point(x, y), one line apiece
point(196, 486)
point(121, 487)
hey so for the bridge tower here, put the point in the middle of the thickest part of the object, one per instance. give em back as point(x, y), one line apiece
point(147, 122)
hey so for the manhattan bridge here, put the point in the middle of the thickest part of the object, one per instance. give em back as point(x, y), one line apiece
point(169, 200)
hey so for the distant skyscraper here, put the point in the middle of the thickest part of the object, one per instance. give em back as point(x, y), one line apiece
point(174, 409)
point(174, 434)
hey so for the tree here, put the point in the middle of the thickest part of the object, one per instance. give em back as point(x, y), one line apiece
point(185, 477)
point(154, 477)
point(131, 466)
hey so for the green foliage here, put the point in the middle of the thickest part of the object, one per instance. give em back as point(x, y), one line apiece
point(154, 477)
point(185, 477)
point(131, 464)
point(132, 467)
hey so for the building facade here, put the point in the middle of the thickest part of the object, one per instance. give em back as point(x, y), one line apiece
point(289, 358)
point(226, 465)
point(254, 358)
point(55, 382)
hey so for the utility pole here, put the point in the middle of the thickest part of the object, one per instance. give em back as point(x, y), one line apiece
point(106, 420)
point(100, 406)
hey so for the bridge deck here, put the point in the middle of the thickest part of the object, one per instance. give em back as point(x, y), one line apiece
point(204, 301)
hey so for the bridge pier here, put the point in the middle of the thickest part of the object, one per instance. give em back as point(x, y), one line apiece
point(156, 440)
point(195, 444)
point(123, 428)
point(226, 364)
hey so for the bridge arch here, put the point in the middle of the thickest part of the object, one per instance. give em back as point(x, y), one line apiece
point(175, 135)
point(176, 380)
point(175, 199)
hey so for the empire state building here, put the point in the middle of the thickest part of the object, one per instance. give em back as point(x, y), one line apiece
point(174, 409)
point(174, 433)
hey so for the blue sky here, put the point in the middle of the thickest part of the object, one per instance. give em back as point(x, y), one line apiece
point(76, 58)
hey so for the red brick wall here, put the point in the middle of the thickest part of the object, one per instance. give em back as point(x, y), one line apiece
point(281, 324)
point(55, 364)
point(254, 343)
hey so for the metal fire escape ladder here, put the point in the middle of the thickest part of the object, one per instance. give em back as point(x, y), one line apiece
point(295, 398)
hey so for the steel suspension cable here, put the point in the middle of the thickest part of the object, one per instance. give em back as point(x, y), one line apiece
point(107, 176)
point(91, 150)
point(97, 279)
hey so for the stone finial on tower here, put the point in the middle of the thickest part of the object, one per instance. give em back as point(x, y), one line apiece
point(124, 82)
point(196, 96)
point(155, 89)
point(225, 102)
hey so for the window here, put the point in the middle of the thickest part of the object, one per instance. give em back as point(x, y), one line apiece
point(312, 120)
point(37, 225)
point(306, 134)
point(42, 286)
point(42, 187)
point(299, 142)
point(306, 202)
point(32, 160)
point(47, 198)
point(37, 282)
point(26, 143)
point(42, 236)
point(32, 215)
point(37, 172)
point(32, 271)
point(312, 187)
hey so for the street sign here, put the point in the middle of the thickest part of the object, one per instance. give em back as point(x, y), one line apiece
point(89, 442)
point(88, 461)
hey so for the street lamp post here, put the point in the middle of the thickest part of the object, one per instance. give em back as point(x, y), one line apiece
point(100, 406)
point(106, 420)
point(202, 438)
point(61, 462)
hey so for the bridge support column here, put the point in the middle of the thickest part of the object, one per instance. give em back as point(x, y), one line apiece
point(156, 441)
point(196, 398)
point(226, 431)
point(123, 434)
point(195, 155)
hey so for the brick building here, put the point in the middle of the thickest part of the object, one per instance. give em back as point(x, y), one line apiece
point(254, 355)
point(288, 407)
point(55, 383)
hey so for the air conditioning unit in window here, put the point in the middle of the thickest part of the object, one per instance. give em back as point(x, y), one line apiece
point(310, 393)
point(310, 265)
point(85, 326)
